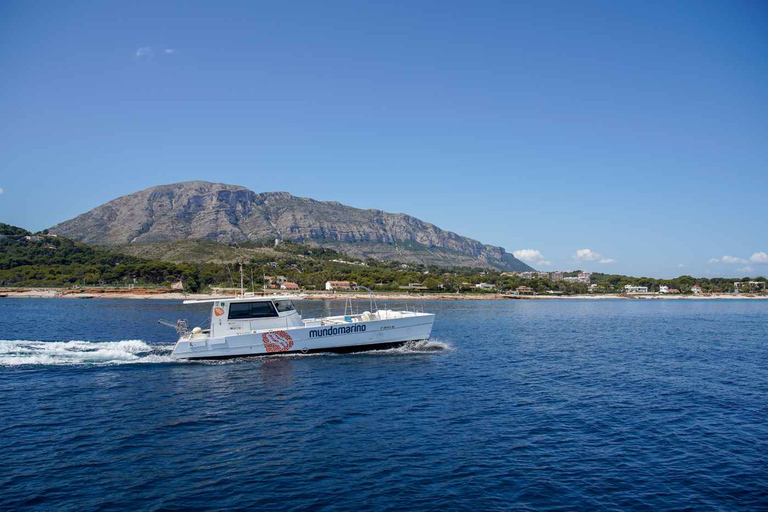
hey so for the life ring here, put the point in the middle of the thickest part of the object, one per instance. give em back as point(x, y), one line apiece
point(218, 311)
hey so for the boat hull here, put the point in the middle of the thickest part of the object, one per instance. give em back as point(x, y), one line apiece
point(352, 337)
point(332, 350)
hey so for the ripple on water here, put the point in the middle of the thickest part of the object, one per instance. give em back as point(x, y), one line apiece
point(552, 405)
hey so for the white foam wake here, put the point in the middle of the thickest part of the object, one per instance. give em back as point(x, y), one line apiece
point(417, 347)
point(76, 352)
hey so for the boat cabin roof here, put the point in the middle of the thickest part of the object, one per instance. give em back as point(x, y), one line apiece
point(246, 298)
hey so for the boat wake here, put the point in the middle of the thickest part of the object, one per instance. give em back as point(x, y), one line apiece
point(76, 352)
point(416, 347)
point(93, 353)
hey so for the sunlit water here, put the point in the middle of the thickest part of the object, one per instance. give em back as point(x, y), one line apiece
point(545, 405)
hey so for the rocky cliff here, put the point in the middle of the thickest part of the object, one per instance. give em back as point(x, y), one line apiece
point(229, 213)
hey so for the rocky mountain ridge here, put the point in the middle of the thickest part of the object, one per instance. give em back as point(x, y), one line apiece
point(229, 213)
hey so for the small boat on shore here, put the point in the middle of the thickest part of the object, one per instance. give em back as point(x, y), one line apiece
point(250, 325)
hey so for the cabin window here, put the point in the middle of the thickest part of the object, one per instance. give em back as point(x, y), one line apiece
point(243, 310)
point(284, 305)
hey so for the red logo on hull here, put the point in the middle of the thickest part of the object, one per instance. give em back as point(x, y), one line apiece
point(277, 341)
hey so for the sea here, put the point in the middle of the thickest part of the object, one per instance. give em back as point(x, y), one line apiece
point(512, 405)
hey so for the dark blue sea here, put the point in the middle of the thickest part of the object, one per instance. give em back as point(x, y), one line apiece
point(546, 405)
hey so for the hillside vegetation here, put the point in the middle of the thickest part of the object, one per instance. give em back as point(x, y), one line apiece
point(49, 260)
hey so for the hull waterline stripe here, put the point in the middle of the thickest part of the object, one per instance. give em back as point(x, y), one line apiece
point(334, 350)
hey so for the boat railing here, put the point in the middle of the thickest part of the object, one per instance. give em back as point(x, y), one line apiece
point(181, 326)
point(372, 306)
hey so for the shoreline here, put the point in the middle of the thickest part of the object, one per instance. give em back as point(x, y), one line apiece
point(99, 293)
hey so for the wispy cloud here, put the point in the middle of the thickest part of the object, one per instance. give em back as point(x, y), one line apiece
point(532, 256)
point(745, 269)
point(144, 52)
point(732, 259)
point(147, 52)
point(681, 265)
point(713, 260)
point(590, 255)
point(759, 257)
point(2, 191)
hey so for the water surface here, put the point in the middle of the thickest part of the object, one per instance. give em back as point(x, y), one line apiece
point(520, 404)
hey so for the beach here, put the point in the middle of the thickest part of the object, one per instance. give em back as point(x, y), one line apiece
point(147, 294)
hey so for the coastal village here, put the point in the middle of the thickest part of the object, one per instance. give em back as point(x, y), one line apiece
point(31, 263)
point(584, 278)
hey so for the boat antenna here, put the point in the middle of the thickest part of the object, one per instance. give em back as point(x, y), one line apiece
point(242, 292)
point(253, 286)
point(231, 279)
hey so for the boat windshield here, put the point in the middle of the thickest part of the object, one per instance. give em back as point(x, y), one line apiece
point(284, 305)
point(243, 310)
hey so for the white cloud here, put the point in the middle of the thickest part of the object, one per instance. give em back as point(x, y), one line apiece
point(528, 254)
point(607, 260)
point(745, 269)
point(1, 191)
point(587, 255)
point(732, 259)
point(758, 257)
point(532, 256)
point(144, 51)
point(713, 260)
point(681, 265)
point(170, 51)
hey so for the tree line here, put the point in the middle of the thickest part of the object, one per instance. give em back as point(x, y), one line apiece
point(46, 260)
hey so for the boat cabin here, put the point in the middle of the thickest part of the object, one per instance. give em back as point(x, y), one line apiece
point(232, 316)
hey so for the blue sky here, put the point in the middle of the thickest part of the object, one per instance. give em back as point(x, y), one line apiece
point(636, 132)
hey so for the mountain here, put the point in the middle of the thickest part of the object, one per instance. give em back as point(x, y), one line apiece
point(217, 212)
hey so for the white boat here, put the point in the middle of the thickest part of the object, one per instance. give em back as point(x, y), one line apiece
point(250, 325)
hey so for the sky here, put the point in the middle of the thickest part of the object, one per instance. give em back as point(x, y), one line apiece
point(619, 137)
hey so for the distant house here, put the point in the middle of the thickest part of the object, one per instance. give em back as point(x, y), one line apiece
point(542, 275)
point(674, 290)
point(485, 286)
point(289, 286)
point(338, 285)
point(742, 286)
point(33, 238)
point(663, 289)
point(281, 279)
point(696, 289)
point(413, 286)
point(635, 289)
point(271, 282)
point(524, 290)
point(582, 277)
point(556, 276)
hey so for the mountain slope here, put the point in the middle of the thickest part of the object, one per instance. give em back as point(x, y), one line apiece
point(229, 213)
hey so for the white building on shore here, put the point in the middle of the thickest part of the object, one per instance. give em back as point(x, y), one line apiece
point(635, 289)
point(339, 285)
